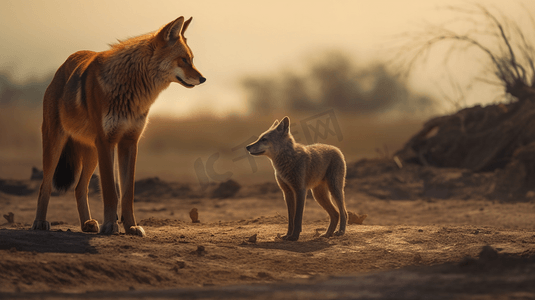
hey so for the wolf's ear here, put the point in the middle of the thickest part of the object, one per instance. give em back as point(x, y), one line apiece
point(274, 124)
point(171, 32)
point(284, 125)
point(186, 24)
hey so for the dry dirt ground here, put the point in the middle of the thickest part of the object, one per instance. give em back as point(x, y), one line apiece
point(426, 248)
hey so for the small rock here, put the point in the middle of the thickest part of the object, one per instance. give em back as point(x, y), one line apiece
point(353, 218)
point(181, 264)
point(264, 275)
point(36, 174)
point(226, 189)
point(252, 239)
point(194, 215)
point(10, 217)
point(200, 251)
point(488, 253)
point(56, 223)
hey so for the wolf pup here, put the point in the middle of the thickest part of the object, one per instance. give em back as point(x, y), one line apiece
point(298, 168)
point(99, 101)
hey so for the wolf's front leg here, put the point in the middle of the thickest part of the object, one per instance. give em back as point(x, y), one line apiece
point(289, 198)
point(107, 182)
point(127, 152)
point(300, 196)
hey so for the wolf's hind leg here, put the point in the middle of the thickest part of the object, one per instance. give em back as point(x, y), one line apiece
point(53, 144)
point(90, 160)
point(336, 187)
point(321, 194)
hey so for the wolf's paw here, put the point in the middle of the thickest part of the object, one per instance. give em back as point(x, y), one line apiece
point(40, 225)
point(292, 237)
point(136, 230)
point(340, 233)
point(91, 226)
point(109, 228)
point(326, 235)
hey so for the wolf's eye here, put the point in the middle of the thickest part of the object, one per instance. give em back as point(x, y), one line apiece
point(185, 61)
point(263, 139)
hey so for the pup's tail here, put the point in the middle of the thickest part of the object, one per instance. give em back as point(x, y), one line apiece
point(66, 168)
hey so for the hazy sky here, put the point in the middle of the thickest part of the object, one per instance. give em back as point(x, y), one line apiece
point(230, 39)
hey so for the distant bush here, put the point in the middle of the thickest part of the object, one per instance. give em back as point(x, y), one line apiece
point(334, 82)
point(30, 92)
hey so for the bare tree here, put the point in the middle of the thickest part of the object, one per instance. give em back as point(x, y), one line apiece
point(497, 138)
point(502, 42)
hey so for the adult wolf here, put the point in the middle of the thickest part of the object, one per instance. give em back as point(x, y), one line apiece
point(99, 101)
point(298, 168)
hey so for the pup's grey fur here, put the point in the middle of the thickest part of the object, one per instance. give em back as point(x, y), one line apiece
point(298, 168)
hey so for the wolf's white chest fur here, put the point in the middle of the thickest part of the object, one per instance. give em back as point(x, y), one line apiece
point(117, 125)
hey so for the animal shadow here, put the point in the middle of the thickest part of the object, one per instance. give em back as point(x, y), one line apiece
point(300, 246)
point(46, 241)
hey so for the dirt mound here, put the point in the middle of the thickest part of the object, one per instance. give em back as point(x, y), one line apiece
point(496, 138)
point(383, 179)
point(18, 187)
point(262, 190)
point(379, 178)
point(36, 174)
point(226, 189)
point(152, 189)
point(490, 260)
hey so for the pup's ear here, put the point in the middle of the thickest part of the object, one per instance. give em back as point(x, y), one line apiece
point(186, 24)
point(274, 124)
point(284, 125)
point(170, 33)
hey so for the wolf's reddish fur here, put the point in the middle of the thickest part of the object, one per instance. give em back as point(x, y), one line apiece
point(99, 101)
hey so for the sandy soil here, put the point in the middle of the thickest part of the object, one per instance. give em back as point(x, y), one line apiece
point(426, 248)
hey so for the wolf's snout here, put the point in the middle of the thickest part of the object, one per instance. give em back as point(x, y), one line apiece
point(248, 148)
point(202, 79)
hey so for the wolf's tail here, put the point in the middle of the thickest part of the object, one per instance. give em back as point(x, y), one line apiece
point(66, 168)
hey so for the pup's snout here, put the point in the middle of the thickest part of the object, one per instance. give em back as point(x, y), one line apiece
point(202, 79)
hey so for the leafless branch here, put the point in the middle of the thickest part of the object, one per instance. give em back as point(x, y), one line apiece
point(510, 52)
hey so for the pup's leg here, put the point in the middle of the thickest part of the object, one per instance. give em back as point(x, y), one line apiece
point(321, 194)
point(336, 187)
point(53, 143)
point(300, 197)
point(90, 160)
point(290, 204)
point(127, 152)
point(107, 183)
